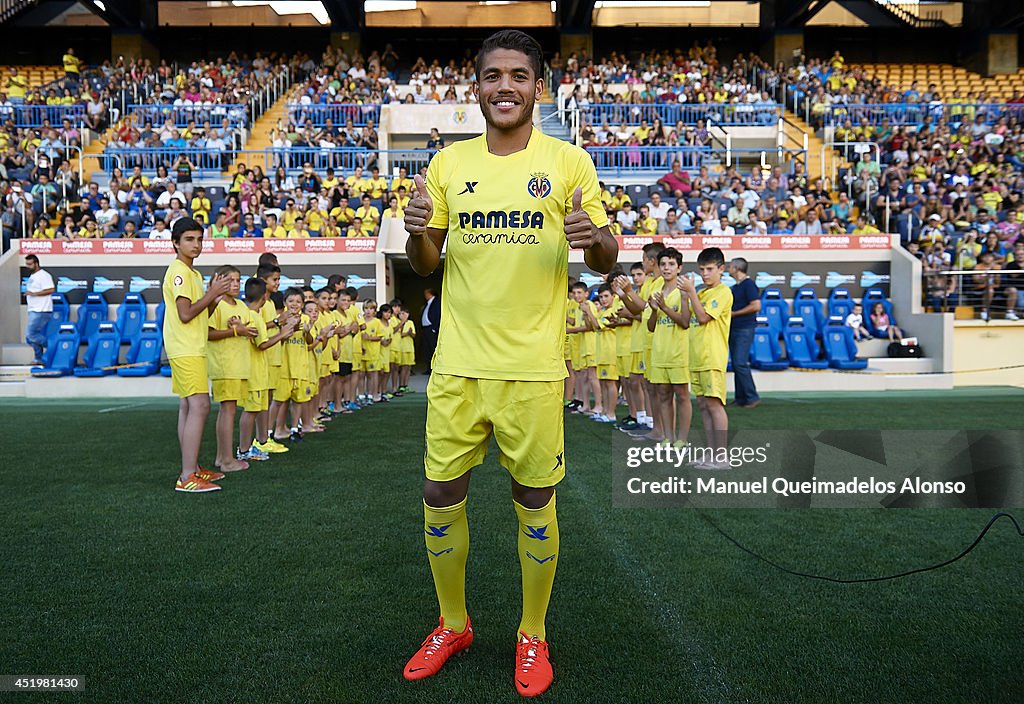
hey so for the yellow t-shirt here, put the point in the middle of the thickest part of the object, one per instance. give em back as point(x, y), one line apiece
point(259, 366)
point(623, 333)
point(47, 233)
point(315, 220)
point(868, 229)
point(396, 214)
point(17, 86)
point(506, 243)
point(588, 339)
point(408, 343)
point(288, 218)
point(651, 284)
point(345, 318)
point(329, 183)
point(572, 313)
point(343, 214)
point(606, 341)
point(669, 348)
point(295, 356)
point(183, 339)
point(273, 354)
point(709, 343)
point(358, 186)
point(70, 63)
point(378, 187)
point(201, 206)
point(302, 234)
point(370, 215)
point(646, 226)
point(397, 183)
point(230, 357)
point(276, 233)
point(371, 348)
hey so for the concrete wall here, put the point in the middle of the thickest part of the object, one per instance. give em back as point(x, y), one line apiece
point(979, 345)
point(934, 331)
point(11, 329)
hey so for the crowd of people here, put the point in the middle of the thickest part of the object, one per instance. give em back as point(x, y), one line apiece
point(314, 204)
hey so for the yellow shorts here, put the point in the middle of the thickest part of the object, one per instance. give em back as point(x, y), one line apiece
point(624, 364)
point(230, 390)
point(283, 388)
point(567, 348)
point(636, 362)
point(188, 376)
point(302, 390)
point(647, 363)
point(607, 372)
point(668, 375)
point(408, 359)
point(257, 400)
point(708, 383)
point(384, 363)
point(396, 355)
point(368, 365)
point(525, 417)
point(586, 362)
point(273, 373)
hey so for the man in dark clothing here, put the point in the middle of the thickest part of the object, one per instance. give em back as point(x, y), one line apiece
point(746, 304)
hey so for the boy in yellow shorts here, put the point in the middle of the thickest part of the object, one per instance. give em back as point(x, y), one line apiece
point(185, 325)
point(626, 336)
point(257, 401)
point(669, 372)
point(294, 365)
point(607, 365)
point(327, 357)
point(638, 303)
point(358, 374)
point(709, 350)
point(319, 329)
point(395, 349)
point(407, 350)
point(570, 351)
point(372, 335)
point(231, 327)
point(348, 316)
point(583, 361)
point(270, 274)
point(386, 338)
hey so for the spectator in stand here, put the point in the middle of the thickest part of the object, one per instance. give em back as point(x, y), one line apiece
point(1014, 282)
point(626, 217)
point(809, 225)
point(719, 227)
point(658, 209)
point(676, 181)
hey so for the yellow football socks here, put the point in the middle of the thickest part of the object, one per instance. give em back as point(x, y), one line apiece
point(538, 555)
point(447, 536)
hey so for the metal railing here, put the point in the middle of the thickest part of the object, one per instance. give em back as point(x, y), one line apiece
point(618, 161)
point(985, 291)
point(182, 115)
point(338, 113)
point(728, 114)
point(915, 113)
point(38, 115)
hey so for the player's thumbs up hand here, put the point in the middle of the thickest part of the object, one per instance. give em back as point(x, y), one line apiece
point(579, 229)
point(419, 210)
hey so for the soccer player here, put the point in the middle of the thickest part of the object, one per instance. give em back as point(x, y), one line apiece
point(499, 368)
point(231, 328)
point(583, 360)
point(709, 348)
point(630, 351)
point(670, 372)
point(185, 325)
point(294, 361)
point(350, 321)
point(607, 368)
point(372, 335)
point(270, 273)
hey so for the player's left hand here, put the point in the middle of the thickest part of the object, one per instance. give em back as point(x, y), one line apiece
point(685, 284)
point(579, 229)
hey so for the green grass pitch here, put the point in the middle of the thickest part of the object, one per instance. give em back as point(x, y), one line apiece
point(305, 580)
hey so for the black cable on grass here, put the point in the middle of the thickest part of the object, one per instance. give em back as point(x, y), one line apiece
point(863, 580)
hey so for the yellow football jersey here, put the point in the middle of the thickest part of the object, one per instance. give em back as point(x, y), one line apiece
point(651, 284)
point(229, 358)
point(268, 312)
point(295, 357)
point(709, 343)
point(504, 216)
point(623, 333)
point(408, 343)
point(606, 340)
point(669, 346)
point(183, 339)
point(376, 328)
point(259, 367)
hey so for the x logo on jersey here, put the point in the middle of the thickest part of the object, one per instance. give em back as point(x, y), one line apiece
point(470, 185)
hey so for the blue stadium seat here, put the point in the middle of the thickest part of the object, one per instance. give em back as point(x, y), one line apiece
point(840, 347)
point(101, 354)
point(807, 306)
point(765, 353)
point(61, 314)
point(165, 370)
point(775, 308)
point(801, 347)
point(131, 314)
point(872, 296)
point(61, 354)
point(840, 303)
point(93, 311)
point(144, 354)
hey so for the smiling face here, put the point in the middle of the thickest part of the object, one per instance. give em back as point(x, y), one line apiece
point(508, 89)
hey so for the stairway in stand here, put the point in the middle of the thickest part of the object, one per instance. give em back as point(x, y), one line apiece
point(260, 139)
point(794, 136)
point(549, 122)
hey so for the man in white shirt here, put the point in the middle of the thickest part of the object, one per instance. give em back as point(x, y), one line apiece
point(658, 209)
point(627, 219)
point(40, 306)
point(719, 227)
point(106, 217)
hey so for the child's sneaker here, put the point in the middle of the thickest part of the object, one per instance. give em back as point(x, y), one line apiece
point(243, 455)
point(195, 485)
point(255, 453)
point(270, 446)
point(295, 436)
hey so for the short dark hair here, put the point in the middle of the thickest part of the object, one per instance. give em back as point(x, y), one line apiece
point(671, 253)
point(637, 266)
point(268, 258)
point(265, 270)
point(31, 258)
point(183, 225)
point(351, 292)
point(711, 255)
point(604, 287)
point(516, 41)
point(255, 288)
point(384, 308)
point(653, 249)
point(292, 292)
point(740, 263)
point(579, 285)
